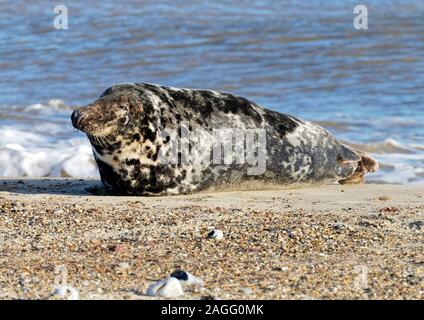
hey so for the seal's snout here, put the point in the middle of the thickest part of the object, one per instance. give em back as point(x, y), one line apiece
point(75, 117)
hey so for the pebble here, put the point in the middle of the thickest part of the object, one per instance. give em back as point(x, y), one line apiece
point(66, 292)
point(16, 204)
point(116, 248)
point(167, 288)
point(208, 297)
point(58, 211)
point(247, 291)
point(339, 226)
point(122, 267)
point(389, 209)
point(187, 279)
point(416, 225)
point(216, 234)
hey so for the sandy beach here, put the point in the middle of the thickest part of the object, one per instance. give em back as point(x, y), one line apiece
point(320, 242)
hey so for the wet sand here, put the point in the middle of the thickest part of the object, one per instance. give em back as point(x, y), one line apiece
point(321, 242)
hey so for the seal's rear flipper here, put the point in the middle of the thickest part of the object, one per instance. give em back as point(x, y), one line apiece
point(365, 164)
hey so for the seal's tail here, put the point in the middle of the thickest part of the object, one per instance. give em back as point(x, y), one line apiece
point(365, 164)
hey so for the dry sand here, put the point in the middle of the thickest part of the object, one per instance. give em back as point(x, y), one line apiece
point(323, 242)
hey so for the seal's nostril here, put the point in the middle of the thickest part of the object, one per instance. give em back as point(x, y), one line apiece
point(74, 117)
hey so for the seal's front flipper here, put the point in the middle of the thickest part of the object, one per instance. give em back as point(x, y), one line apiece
point(97, 190)
point(348, 159)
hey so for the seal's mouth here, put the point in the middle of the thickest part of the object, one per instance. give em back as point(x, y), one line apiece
point(105, 142)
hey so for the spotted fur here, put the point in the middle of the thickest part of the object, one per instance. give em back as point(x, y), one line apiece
point(123, 127)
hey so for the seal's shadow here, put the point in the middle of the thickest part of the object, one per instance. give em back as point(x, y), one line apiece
point(77, 187)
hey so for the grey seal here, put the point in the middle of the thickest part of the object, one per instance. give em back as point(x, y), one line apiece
point(133, 128)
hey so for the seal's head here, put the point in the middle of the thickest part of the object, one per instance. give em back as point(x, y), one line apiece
point(104, 117)
point(122, 126)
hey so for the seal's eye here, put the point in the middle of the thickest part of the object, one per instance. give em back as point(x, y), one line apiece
point(125, 109)
point(127, 119)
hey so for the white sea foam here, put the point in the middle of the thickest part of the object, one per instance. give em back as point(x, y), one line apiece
point(401, 167)
point(51, 107)
point(44, 146)
point(63, 158)
point(399, 173)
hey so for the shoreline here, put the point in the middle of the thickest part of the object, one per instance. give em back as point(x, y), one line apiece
point(317, 242)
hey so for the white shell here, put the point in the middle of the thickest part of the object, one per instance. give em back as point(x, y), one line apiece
point(66, 292)
point(167, 288)
point(216, 234)
point(191, 279)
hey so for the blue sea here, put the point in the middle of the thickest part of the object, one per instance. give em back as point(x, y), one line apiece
point(298, 57)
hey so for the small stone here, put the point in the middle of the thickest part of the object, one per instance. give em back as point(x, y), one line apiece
point(66, 292)
point(58, 211)
point(416, 225)
point(389, 209)
point(167, 288)
point(208, 297)
point(122, 267)
point(339, 226)
point(186, 278)
point(215, 234)
point(247, 291)
point(116, 248)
